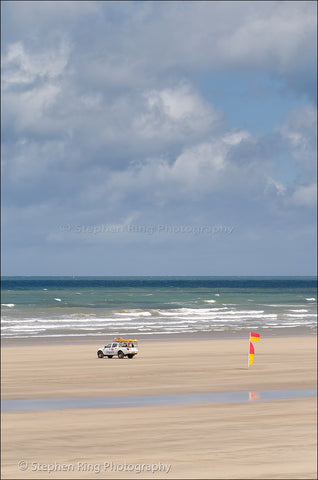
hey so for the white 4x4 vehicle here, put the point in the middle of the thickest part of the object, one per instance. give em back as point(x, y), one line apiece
point(120, 347)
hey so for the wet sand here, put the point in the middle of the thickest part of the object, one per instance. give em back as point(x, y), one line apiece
point(259, 439)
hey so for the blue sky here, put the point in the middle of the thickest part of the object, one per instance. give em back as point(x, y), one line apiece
point(159, 138)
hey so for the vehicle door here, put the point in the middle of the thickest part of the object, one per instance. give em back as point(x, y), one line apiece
point(107, 349)
point(114, 348)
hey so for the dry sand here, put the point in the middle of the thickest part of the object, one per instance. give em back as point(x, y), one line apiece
point(273, 439)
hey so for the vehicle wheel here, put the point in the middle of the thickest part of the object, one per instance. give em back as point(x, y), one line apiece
point(120, 354)
point(109, 356)
point(100, 354)
point(130, 355)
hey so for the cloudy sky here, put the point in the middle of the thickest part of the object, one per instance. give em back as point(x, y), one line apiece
point(159, 138)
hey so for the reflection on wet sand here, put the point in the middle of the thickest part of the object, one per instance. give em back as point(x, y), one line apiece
point(146, 400)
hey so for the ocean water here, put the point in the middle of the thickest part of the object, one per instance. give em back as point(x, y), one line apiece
point(138, 306)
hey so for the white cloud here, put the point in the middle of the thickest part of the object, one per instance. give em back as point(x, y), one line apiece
point(30, 109)
point(201, 166)
point(299, 131)
point(22, 68)
point(278, 187)
point(305, 196)
point(236, 137)
point(270, 34)
point(175, 113)
point(31, 84)
point(177, 103)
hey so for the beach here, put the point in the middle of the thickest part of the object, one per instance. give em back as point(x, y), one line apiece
point(252, 439)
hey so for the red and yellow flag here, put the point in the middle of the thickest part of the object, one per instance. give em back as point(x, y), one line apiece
point(254, 337)
point(251, 354)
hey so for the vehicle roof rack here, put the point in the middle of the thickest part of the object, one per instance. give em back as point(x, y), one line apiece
point(119, 339)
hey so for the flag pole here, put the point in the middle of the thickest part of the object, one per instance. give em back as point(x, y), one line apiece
point(248, 355)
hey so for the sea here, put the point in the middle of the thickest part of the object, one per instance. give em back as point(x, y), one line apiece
point(136, 307)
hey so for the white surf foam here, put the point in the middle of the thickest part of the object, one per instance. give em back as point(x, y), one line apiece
point(301, 310)
point(134, 314)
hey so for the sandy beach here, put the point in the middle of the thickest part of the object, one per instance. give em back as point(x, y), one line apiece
point(256, 439)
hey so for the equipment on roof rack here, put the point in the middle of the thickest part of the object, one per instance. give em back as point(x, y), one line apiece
point(124, 340)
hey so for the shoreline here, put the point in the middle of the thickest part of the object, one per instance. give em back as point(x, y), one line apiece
point(150, 338)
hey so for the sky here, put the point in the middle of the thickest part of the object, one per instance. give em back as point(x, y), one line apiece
point(159, 138)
